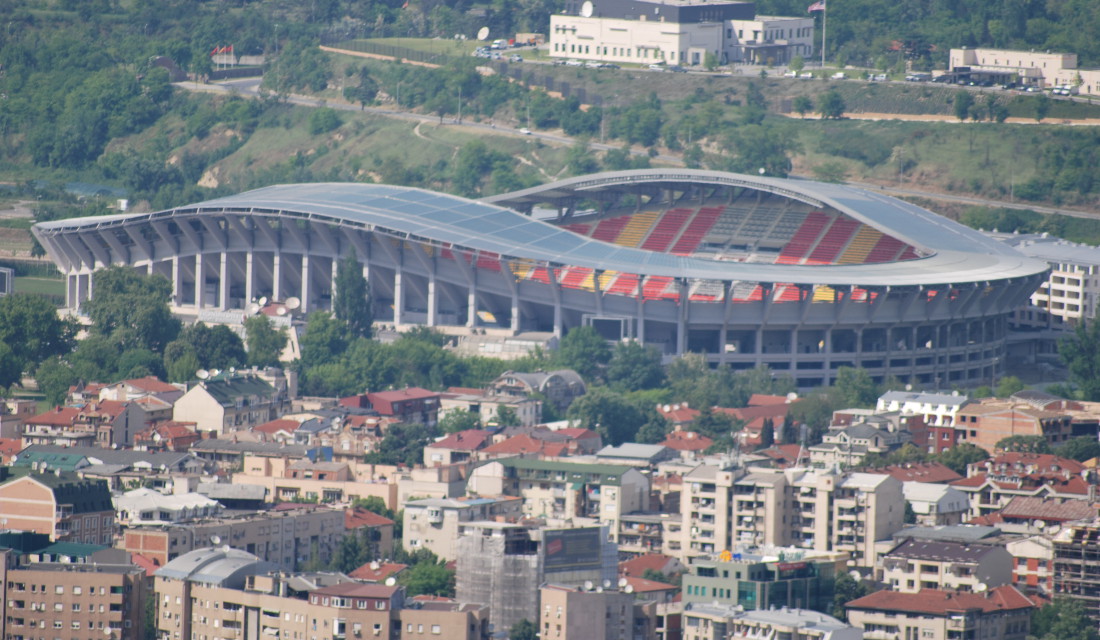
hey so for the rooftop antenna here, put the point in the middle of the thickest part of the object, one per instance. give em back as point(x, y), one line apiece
point(483, 34)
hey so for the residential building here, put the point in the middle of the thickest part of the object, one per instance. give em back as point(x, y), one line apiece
point(915, 565)
point(644, 533)
point(566, 491)
point(375, 529)
point(1025, 515)
point(643, 456)
point(230, 402)
point(135, 388)
point(503, 565)
point(434, 523)
point(1001, 612)
point(936, 504)
point(689, 444)
point(284, 537)
point(580, 613)
point(1033, 564)
point(411, 405)
point(993, 483)
point(486, 405)
point(146, 507)
point(12, 414)
point(97, 424)
point(716, 621)
point(986, 422)
point(937, 409)
point(76, 601)
point(765, 578)
point(454, 448)
point(847, 445)
point(59, 504)
point(167, 436)
point(541, 442)
point(1042, 69)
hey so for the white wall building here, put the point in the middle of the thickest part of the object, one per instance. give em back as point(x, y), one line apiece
point(938, 409)
point(1031, 68)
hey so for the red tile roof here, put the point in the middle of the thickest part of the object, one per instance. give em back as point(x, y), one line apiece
point(577, 433)
point(145, 563)
point(939, 603)
point(378, 571)
point(524, 443)
point(152, 384)
point(641, 585)
point(9, 447)
point(56, 416)
point(784, 455)
point(650, 561)
point(358, 517)
point(468, 440)
point(933, 472)
point(398, 395)
point(678, 414)
point(1047, 510)
point(687, 441)
point(761, 399)
point(275, 426)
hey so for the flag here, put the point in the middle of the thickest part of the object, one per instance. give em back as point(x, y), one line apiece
point(214, 52)
point(406, 5)
point(230, 48)
point(817, 6)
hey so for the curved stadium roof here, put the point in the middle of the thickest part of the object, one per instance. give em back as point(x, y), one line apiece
point(958, 254)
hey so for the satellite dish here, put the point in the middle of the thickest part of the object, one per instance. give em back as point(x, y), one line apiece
point(253, 309)
point(599, 589)
point(483, 34)
point(293, 303)
point(857, 576)
point(586, 9)
point(282, 310)
point(374, 566)
point(629, 588)
point(981, 587)
point(215, 540)
point(390, 581)
point(622, 582)
point(606, 584)
point(202, 374)
point(587, 585)
point(263, 301)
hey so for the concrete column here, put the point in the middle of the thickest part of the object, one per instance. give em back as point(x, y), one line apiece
point(305, 283)
point(471, 307)
point(398, 295)
point(641, 310)
point(759, 345)
point(248, 275)
point(276, 276)
point(682, 319)
point(223, 282)
point(200, 283)
point(70, 291)
point(91, 284)
point(177, 280)
point(332, 281)
point(149, 268)
point(433, 301)
point(79, 293)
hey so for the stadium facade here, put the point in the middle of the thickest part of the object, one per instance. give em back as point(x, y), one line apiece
point(801, 276)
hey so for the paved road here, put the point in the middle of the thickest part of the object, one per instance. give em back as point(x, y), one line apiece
point(250, 87)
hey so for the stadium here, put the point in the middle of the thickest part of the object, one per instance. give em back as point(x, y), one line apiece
point(804, 277)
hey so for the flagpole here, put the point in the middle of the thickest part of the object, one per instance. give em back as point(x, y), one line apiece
point(824, 29)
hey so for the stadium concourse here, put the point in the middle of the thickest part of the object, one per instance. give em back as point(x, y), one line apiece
point(804, 277)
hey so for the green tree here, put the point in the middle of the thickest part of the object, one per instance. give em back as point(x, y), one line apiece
point(32, 330)
point(767, 434)
point(506, 416)
point(523, 630)
point(802, 105)
point(831, 171)
point(958, 457)
point(352, 305)
point(634, 367)
point(1009, 385)
point(964, 100)
point(1080, 448)
point(265, 342)
point(427, 578)
point(10, 367)
point(54, 377)
point(456, 421)
point(797, 64)
point(180, 361)
point(133, 308)
point(1024, 444)
point(217, 347)
point(1080, 352)
point(323, 341)
point(845, 589)
point(583, 350)
point(1042, 107)
point(855, 388)
point(1063, 619)
point(831, 105)
point(607, 413)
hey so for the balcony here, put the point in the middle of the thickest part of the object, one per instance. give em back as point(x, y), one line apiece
point(880, 635)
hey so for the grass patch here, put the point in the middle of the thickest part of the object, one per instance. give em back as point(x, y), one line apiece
point(42, 286)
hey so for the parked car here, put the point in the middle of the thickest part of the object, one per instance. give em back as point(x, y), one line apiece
point(515, 58)
point(677, 69)
point(656, 67)
point(574, 63)
point(839, 75)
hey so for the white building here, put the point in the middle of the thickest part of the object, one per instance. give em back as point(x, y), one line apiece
point(1069, 294)
point(146, 507)
point(1030, 68)
point(936, 504)
point(938, 409)
point(676, 32)
point(727, 622)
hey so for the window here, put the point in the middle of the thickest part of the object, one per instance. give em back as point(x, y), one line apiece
point(77, 591)
point(435, 629)
point(76, 624)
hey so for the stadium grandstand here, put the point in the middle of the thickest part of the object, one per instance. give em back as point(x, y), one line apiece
point(803, 277)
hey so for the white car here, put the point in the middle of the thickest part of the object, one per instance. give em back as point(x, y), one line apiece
point(525, 131)
point(839, 75)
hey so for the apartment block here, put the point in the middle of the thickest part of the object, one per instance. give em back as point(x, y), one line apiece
point(566, 491)
point(1076, 556)
point(914, 565)
point(284, 537)
point(75, 601)
point(59, 504)
point(715, 621)
point(765, 578)
point(434, 523)
point(1002, 612)
point(594, 613)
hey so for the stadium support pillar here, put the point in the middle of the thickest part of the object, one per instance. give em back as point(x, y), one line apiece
point(223, 282)
point(79, 293)
point(433, 298)
point(555, 289)
point(200, 282)
point(596, 274)
point(70, 291)
point(276, 276)
point(682, 319)
point(723, 332)
point(248, 276)
point(471, 307)
point(640, 332)
point(515, 311)
point(398, 294)
point(177, 280)
point(759, 345)
point(305, 283)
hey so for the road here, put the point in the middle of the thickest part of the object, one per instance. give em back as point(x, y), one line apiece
point(250, 87)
